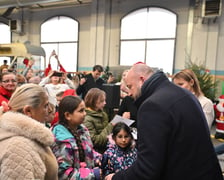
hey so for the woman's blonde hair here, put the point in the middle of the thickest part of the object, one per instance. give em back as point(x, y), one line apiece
point(27, 94)
point(188, 75)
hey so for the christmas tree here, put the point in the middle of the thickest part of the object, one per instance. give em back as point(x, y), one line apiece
point(207, 82)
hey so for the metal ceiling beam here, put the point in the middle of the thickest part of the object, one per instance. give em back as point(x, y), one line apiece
point(21, 3)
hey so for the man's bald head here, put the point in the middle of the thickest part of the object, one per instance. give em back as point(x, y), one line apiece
point(136, 77)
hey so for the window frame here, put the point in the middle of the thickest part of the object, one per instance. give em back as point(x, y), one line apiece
point(56, 46)
point(145, 40)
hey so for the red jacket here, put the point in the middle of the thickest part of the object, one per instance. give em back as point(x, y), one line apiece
point(4, 95)
point(48, 69)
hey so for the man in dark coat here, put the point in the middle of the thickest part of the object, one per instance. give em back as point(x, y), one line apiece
point(91, 80)
point(173, 137)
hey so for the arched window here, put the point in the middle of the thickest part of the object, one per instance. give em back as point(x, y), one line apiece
point(61, 34)
point(148, 35)
point(5, 38)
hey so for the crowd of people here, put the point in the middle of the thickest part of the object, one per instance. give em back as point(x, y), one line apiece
point(53, 128)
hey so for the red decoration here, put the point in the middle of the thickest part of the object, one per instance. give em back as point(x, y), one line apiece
point(26, 61)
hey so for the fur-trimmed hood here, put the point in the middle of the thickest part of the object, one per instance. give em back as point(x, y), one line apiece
point(15, 124)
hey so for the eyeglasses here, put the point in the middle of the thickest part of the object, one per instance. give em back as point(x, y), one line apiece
point(12, 81)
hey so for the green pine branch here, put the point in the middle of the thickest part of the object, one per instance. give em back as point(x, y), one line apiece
point(207, 83)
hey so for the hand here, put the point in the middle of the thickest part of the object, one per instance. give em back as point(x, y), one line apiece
point(31, 63)
point(53, 53)
point(110, 79)
point(50, 73)
point(5, 106)
point(82, 81)
point(109, 177)
point(113, 124)
point(126, 115)
point(64, 76)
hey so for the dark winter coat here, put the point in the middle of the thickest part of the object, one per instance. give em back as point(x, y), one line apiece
point(90, 83)
point(173, 137)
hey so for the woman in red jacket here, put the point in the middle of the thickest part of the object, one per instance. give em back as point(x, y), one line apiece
point(8, 84)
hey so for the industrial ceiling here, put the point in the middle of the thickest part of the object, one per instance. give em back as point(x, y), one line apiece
point(39, 3)
point(8, 6)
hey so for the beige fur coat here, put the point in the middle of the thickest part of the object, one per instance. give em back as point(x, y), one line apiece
point(25, 152)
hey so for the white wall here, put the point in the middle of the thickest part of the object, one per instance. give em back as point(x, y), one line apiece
point(100, 32)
